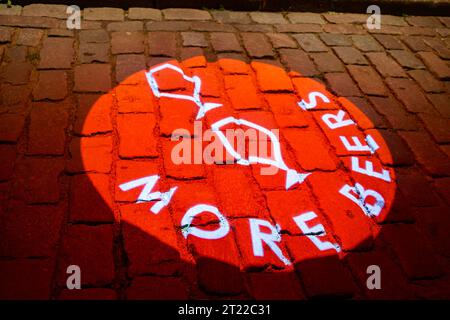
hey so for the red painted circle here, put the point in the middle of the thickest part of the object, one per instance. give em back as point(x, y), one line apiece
point(264, 95)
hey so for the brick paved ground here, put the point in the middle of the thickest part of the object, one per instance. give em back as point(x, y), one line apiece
point(51, 215)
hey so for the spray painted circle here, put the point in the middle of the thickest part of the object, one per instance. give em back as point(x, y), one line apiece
point(236, 168)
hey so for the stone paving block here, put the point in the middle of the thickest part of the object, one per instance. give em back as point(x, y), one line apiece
point(127, 64)
point(88, 294)
point(423, 21)
point(410, 94)
point(335, 39)
point(98, 158)
point(210, 26)
point(439, 101)
point(7, 165)
point(194, 39)
point(168, 26)
point(427, 81)
point(390, 42)
point(257, 45)
point(385, 65)
point(56, 53)
point(93, 52)
point(91, 247)
point(56, 32)
point(402, 155)
point(437, 127)
point(285, 286)
point(37, 180)
point(33, 230)
point(101, 119)
point(350, 55)
point(436, 65)
point(427, 153)
point(368, 80)
point(16, 53)
point(281, 40)
point(231, 16)
point(394, 20)
point(127, 42)
point(225, 42)
point(418, 262)
point(268, 17)
point(263, 28)
point(136, 243)
point(85, 203)
point(305, 17)
point(265, 75)
point(30, 37)
point(144, 288)
point(133, 130)
point(186, 14)
point(13, 10)
point(51, 85)
point(395, 113)
point(439, 46)
point(144, 14)
point(368, 118)
point(327, 62)
point(419, 31)
point(310, 43)
point(298, 61)
point(12, 126)
point(126, 26)
point(342, 84)
point(94, 36)
point(50, 141)
point(298, 28)
point(406, 59)
point(43, 10)
point(92, 78)
point(191, 56)
point(5, 34)
point(343, 29)
point(162, 44)
point(16, 73)
point(31, 22)
point(416, 43)
point(345, 18)
point(16, 276)
point(14, 96)
point(366, 43)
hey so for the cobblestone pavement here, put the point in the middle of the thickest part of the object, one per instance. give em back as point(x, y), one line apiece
point(53, 211)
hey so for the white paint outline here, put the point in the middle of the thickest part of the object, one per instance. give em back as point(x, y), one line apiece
point(292, 176)
point(312, 97)
point(203, 107)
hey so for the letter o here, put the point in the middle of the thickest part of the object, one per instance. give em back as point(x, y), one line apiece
point(222, 231)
